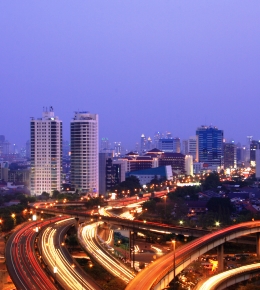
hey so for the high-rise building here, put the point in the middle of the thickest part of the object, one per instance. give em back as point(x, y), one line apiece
point(184, 147)
point(149, 144)
point(176, 145)
point(46, 153)
point(4, 146)
point(253, 146)
point(257, 161)
point(104, 155)
point(104, 143)
point(230, 152)
point(157, 137)
point(189, 164)
point(172, 145)
point(84, 152)
point(143, 144)
point(192, 147)
point(118, 149)
point(210, 145)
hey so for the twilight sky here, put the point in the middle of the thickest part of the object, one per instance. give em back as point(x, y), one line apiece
point(142, 65)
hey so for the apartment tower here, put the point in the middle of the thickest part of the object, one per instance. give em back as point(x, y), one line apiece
point(84, 152)
point(46, 153)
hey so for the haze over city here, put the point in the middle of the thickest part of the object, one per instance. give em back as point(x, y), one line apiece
point(143, 66)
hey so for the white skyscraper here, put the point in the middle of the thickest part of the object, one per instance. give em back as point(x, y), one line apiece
point(46, 153)
point(84, 152)
point(192, 147)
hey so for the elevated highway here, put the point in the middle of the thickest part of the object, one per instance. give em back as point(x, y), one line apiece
point(136, 225)
point(158, 274)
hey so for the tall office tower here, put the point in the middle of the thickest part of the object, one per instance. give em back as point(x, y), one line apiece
point(253, 146)
point(104, 144)
point(65, 148)
point(184, 147)
point(28, 149)
point(192, 147)
point(157, 137)
point(142, 144)
point(118, 149)
point(257, 161)
point(189, 164)
point(46, 153)
point(84, 152)
point(210, 145)
point(166, 145)
point(149, 144)
point(230, 155)
point(176, 145)
point(4, 146)
point(104, 173)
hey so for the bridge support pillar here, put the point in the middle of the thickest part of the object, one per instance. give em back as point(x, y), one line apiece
point(220, 258)
point(258, 245)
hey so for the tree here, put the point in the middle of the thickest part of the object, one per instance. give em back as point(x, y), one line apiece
point(45, 195)
point(212, 181)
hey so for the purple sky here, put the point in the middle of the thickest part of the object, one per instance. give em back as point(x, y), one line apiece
point(143, 66)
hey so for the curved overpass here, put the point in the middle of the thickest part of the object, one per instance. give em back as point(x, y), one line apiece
point(132, 224)
point(158, 274)
point(231, 277)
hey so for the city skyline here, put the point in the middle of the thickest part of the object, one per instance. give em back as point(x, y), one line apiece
point(140, 65)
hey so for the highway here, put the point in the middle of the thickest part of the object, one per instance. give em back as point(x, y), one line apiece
point(65, 271)
point(87, 238)
point(215, 281)
point(151, 275)
point(22, 263)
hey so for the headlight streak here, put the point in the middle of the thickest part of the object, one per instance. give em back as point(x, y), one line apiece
point(212, 282)
point(65, 271)
point(86, 235)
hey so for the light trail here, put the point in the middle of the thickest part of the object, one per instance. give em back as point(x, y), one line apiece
point(87, 236)
point(65, 271)
point(214, 281)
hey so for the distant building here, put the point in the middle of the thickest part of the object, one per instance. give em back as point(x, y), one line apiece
point(149, 144)
point(192, 147)
point(104, 155)
point(84, 152)
point(142, 144)
point(189, 165)
point(4, 146)
point(104, 143)
point(147, 175)
point(4, 168)
point(46, 153)
point(171, 145)
point(118, 149)
point(210, 145)
point(257, 160)
point(28, 149)
point(254, 145)
point(157, 137)
point(230, 158)
point(176, 160)
point(184, 147)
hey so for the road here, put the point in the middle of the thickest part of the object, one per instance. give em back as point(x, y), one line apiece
point(87, 238)
point(22, 263)
point(63, 267)
point(215, 281)
point(152, 274)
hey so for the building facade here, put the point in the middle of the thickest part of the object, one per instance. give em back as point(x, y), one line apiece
point(254, 145)
point(230, 155)
point(84, 152)
point(46, 153)
point(210, 145)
